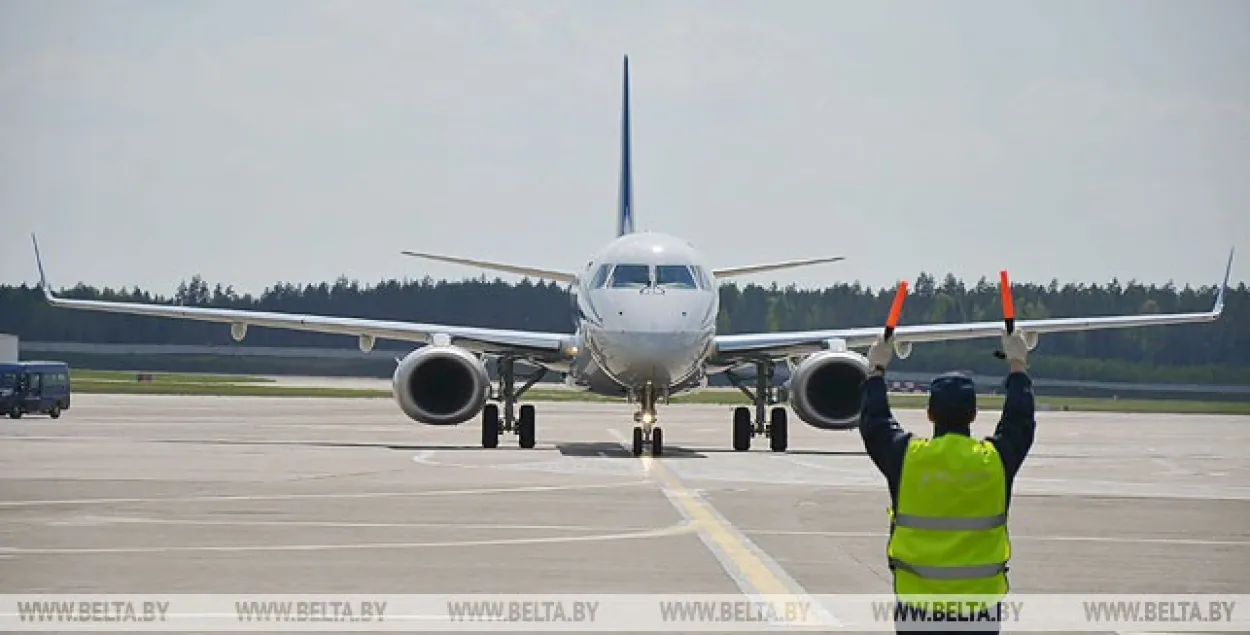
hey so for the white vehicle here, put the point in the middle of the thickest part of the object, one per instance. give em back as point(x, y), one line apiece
point(646, 330)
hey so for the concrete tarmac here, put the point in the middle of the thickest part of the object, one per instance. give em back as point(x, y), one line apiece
point(155, 494)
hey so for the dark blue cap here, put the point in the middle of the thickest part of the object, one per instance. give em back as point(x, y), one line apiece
point(952, 395)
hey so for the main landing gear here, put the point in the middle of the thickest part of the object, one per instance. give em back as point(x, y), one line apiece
point(776, 428)
point(508, 393)
point(648, 432)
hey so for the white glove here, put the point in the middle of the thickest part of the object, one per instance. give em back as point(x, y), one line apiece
point(1014, 348)
point(880, 353)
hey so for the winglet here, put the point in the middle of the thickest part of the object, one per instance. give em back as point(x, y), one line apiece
point(1219, 296)
point(43, 279)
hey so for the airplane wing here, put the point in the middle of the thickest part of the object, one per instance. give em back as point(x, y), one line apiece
point(546, 274)
point(777, 345)
point(731, 272)
point(483, 340)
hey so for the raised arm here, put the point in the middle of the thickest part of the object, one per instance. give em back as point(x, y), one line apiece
point(884, 439)
point(1014, 435)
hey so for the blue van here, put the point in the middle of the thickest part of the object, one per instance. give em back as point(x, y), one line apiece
point(34, 387)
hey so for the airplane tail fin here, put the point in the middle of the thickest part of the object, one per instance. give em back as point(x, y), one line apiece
point(625, 201)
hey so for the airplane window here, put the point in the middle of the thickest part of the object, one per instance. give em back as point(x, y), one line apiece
point(705, 280)
point(601, 277)
point(675, 277)
point(631, 276)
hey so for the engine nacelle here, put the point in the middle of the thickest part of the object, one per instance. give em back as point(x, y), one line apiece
point(826, 389)
point(441, 385)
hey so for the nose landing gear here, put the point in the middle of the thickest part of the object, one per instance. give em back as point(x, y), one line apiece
point(648, 433)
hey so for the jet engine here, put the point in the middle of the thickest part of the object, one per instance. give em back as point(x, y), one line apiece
point(441, 385)
point(826, 389)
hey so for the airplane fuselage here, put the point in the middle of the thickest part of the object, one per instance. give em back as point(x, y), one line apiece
point(646, 311)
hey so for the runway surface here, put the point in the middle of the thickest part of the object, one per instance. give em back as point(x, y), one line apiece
point(140, 494)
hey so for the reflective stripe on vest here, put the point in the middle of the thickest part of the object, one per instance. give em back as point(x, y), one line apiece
point(949, 524)
point(949, 533)
point(952, 573)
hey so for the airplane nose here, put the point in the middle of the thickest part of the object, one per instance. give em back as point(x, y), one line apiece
point(652, 314)
point(649, 336)
point(651, 345)
point(640, 356)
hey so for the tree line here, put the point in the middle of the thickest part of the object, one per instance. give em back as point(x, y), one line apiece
point(1200, 353)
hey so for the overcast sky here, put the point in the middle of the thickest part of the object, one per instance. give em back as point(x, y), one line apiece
point(255, 142)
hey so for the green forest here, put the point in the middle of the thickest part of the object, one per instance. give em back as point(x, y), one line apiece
point(1216, 353)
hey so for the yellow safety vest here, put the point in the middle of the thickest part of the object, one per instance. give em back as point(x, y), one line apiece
point(950, 522)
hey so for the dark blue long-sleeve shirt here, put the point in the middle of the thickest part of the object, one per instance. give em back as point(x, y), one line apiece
point(886, 441)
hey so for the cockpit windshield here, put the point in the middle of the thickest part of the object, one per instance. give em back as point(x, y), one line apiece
point(675, 277)
point(601, 277)
point(639, 276)
point(705, 280)
point(631, 276)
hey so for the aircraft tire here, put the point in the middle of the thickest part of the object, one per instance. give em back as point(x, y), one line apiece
point(490, 426)
point(526, 431)
point(779, 430)
point(742, 429)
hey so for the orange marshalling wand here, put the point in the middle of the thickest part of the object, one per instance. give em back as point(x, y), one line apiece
point(1009, 309)
point(896, 309)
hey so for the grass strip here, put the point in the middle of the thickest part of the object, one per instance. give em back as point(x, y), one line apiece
point(131, 376)
point(713, 397)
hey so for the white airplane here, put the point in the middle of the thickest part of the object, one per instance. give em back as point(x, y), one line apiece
point(646, 330)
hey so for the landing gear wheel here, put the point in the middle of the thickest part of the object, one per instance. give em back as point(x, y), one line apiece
point(525, 427)
point(742, 429)
point(747, 423)
point(508, 393)
point(55, 412)
point(490, 426)
point(647, 434)
point(778, 430)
